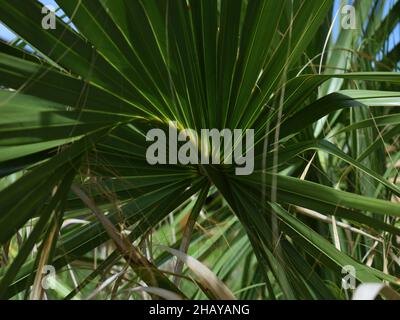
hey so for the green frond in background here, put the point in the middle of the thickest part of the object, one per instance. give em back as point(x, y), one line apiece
point(77, 194)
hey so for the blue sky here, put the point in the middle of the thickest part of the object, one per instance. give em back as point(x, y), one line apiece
point(7, 35)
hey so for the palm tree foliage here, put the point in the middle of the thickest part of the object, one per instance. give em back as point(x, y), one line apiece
point(77, 193)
